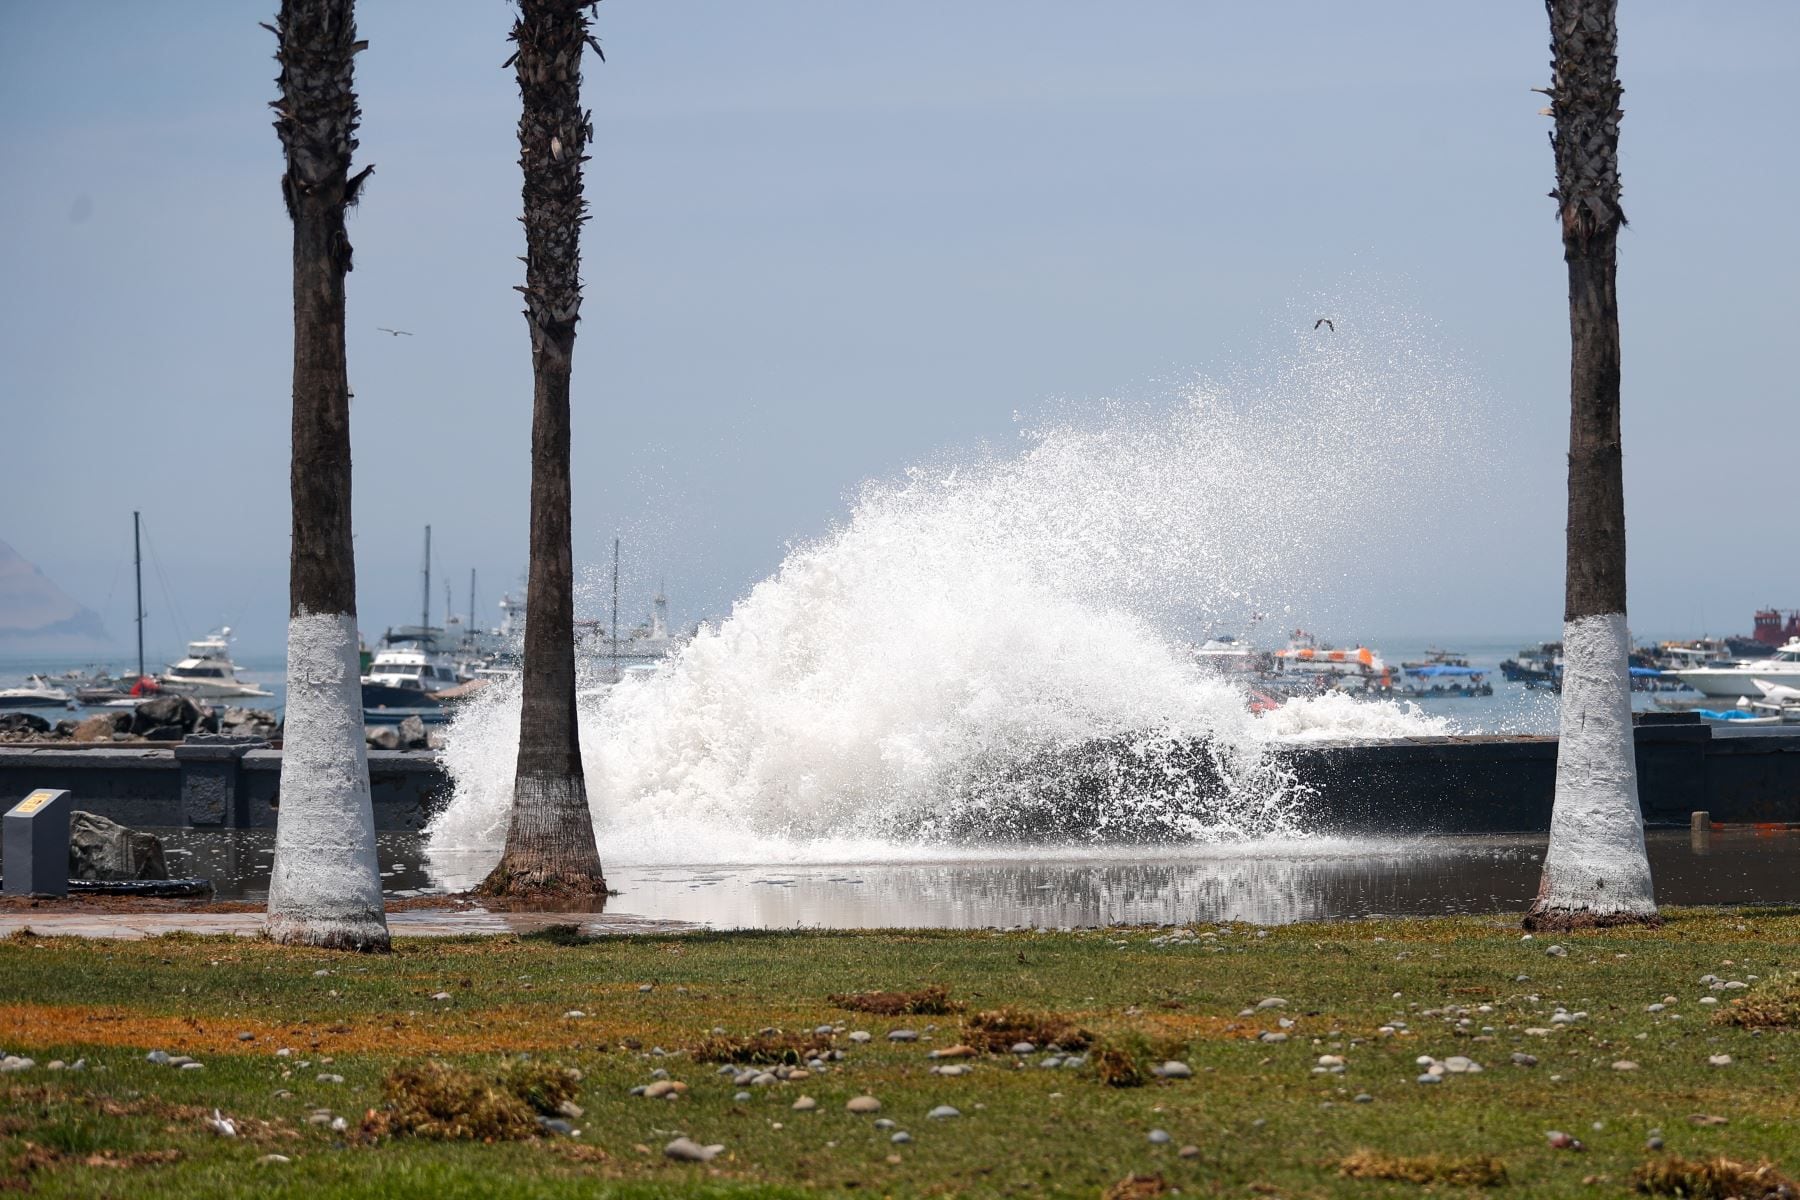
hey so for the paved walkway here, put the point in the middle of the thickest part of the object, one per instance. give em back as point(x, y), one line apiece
point(418, 923)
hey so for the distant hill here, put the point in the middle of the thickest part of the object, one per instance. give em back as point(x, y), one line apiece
point(36, 616)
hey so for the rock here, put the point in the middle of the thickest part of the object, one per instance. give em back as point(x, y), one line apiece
point(903, 1035)
point(1271, 1036)
point(1362, 1098)
point(804, 1104)
point(1428, 1077)
point(952, 1070)
point(943, 1112)
point(555, 1125)
point(860, 1036)
point(1625, 1064)
point(1331, 1060)
point(1158, 1137)
point(382, 737)
point(100, 727)
point(669, 1088)
point(100, 848)
point(863, 1104)
point(741, 1097)
point(412, 734)
point(764, 1080)
point(1456, 1064)
point(159, 1057)
point(1189, 1152)
point(1719, 1060)
point(901, 1137)
point(1074, 1061)
point(1024, 1048)
point(440, 995)
point(957, 1051)
point(13, 1063)
point(195, 1066)
point(569, 1109)
point(23, 722)
point(1175, 1070)
point(1048, 1063)
point(684, 1150)
point(1524, 1060)
point(274, 1159)
point(165, 712)
point(248, 722)
point(574, 1014)
point(1562, 1141)
point(1556, 952)
point(328, 1077)
point(1271, 1002)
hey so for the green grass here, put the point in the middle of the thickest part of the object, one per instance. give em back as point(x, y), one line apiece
point(1264, 1123)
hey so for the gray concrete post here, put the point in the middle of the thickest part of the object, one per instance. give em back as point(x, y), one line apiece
point(35, 842)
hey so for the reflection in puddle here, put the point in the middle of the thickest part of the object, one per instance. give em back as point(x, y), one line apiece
point(1265, 884)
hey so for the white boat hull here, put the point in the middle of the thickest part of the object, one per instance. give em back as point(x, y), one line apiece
point(1731, 682)
point(211, 691)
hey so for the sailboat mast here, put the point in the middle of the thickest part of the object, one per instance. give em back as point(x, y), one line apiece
point(615, 612)
point(137, 566)
point(425, 614)
point(471, 601)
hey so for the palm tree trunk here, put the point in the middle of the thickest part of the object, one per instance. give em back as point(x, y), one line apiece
point(1596, 871)
point(550, 844)
point(325, 889)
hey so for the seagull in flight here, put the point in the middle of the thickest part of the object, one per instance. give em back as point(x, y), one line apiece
point(1326, 322)
point(408, 332)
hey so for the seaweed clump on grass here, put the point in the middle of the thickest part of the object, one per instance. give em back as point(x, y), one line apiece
point(1130, 1059)
point(998, 1031)
point(1481, 1170)
point(771, 1046)
point(932, 1001)
point(1713, 1179)
point(1771, 1004)
point(439, 1102)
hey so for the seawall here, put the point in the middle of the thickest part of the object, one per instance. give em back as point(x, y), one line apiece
point(1467, 784)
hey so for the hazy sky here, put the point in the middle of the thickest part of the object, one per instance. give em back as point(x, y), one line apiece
point(831, 239)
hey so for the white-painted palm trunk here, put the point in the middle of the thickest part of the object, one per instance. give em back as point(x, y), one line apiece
point(1596, 865)
point(326, 887)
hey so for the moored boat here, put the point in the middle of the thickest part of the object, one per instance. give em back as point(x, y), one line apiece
point(1744, 678)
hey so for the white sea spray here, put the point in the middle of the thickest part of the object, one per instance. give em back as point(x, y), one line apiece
point(993, 648)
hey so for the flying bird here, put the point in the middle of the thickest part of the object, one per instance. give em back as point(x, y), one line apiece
point(401, 332)
point(1326, 322)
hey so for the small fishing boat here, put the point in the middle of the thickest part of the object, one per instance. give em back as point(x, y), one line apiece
point(1326, 668)
point(1437, 681)
point(36, 692)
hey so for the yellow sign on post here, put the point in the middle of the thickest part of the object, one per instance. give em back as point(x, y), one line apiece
point(35, 801)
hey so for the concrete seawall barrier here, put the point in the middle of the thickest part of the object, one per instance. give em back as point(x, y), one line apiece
point(1470, 784)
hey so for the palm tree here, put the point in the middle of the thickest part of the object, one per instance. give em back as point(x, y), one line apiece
point(1596, 871)
point(550, 837)
point(325, 889)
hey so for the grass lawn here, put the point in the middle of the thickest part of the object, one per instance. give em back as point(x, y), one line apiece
point(1256, 1117)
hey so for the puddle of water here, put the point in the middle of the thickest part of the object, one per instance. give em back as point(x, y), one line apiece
point(1056, 886)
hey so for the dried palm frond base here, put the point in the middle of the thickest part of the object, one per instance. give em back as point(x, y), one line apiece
point(1713, 1179)
point(443, 1103)
point(1136, 1187)
point(1772, 1004)
point(1476, 1171)
point(998, 1031)
point(929, 1001)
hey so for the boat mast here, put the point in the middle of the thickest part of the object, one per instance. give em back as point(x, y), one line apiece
point(425, 614)
point(615, 612)
point(471, 601)
point(137, 566)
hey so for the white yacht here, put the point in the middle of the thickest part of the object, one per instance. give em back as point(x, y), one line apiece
point(407, 676)
point(36, 692)
point(208, 672)
point(1745, 678)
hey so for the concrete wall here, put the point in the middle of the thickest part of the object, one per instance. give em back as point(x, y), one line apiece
point(1488, 784)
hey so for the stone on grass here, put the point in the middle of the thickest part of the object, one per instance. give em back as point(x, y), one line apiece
point(943, 1112)
point(1159, 1137)
point(1625, 1064)
point(1024, 1048)
point(686, 1150)
point(1719, 1060)
point(805, 1104)
point(1271, 1002)
point(1175, 1070)
point(860, 1036)
point(901, 1137)
point(903, 1035)
point(864, 1104)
